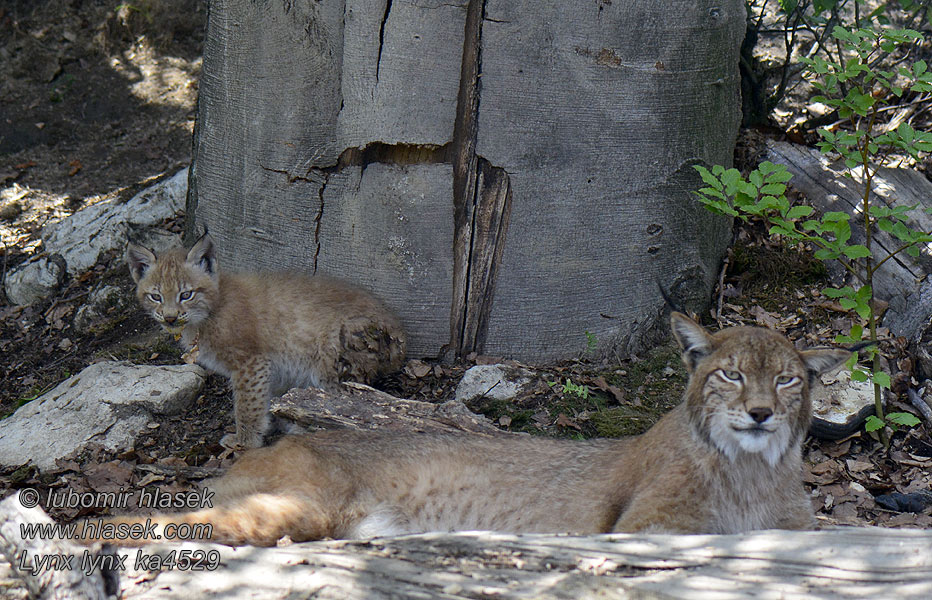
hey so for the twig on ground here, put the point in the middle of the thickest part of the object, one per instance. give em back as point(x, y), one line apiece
point(920, 404)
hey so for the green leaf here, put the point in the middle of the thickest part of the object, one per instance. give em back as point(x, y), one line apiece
point(774, 189)
point(906, 132)
point(885, 225)
point(730, 178)
point(901, 232)
point(856, 251)
point(882, 379)
point(873, 423)
point(826, 134)
point(780, 230)
point(857, 332)
point(845, 292)
point(709, 178)
point(847, 303)
point(903, 418)
point(756, 178)
point(919, 68)
point(799, 211)
point(858, 375)
point(835, 216)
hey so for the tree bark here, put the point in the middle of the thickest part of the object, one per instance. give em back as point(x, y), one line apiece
point(47, 583)
point(505, 174)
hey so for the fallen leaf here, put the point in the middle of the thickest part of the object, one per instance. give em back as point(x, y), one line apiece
point(762, 317)
point(565, 421)
point(109, 476)
point(417, 369)
point(150, 478)
point(76, 167)
point(858, 466)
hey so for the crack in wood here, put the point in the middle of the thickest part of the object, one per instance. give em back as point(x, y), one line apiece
point(319, 218)
point(481, 203)
point(378, 60)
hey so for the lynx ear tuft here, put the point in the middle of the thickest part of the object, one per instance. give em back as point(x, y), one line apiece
point(202, 255)
point(139, 259)
point(694, 340)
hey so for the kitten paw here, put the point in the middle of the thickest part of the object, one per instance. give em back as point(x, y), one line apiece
point(231, 441)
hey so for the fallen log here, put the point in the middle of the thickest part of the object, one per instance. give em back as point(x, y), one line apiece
point(849, 563)
point(900, 280)
point(361, 407)
point(26, 554)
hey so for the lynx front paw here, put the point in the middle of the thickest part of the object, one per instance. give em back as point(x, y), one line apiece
point(237, 441)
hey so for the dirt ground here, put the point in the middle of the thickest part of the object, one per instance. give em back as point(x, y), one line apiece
point(99, 96)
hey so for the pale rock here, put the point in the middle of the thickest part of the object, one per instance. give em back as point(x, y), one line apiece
point(83, 237)
point(108, 403)
point(499, 382)
point(34, 281)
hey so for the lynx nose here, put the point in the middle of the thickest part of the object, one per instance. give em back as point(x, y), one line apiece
point(760, 414)
point(170, 320)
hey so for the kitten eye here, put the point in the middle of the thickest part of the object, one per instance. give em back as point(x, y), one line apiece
point(185, 295)
point(731, 375)
point(786, 379)
point(157, 298)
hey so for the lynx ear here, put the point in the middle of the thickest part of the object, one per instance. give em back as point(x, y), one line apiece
point(202, 255)
point(692, 338)
point(821, 361)
point(139, 259)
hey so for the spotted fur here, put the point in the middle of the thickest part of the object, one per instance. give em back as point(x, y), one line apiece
point(726, 460)
point(267, 332)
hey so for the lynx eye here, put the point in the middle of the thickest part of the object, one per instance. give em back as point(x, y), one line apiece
point(157, 298)
point(784, 380)
point(185, 295)
point(731, 375)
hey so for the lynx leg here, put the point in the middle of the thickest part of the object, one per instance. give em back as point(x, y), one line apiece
point(251, 395)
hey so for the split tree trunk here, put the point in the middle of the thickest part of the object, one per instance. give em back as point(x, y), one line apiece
point(506, 174)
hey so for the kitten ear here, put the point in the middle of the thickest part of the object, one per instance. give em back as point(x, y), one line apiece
point(821, 361)
point(694, 340)
point(139, 259)
point(202, 255)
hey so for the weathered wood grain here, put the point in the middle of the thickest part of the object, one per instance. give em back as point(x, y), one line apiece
point(595, 111)
point(43, 584)
point(388, 228)
point(567, 130)
point(837, 564)
point(361, 407)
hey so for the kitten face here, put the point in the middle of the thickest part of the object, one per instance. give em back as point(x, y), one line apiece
point(177, 288)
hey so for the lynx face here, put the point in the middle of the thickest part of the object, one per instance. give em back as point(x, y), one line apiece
point(177, 288)
point(749, 388)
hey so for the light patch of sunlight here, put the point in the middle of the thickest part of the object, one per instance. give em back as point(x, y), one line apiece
point(884, 187)
point(158, 79)
point(37, 208)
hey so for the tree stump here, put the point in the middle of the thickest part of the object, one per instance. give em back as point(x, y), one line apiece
point(507, 175)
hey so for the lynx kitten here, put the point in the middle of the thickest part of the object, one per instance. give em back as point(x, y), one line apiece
point(266, 332)
point(726, 460)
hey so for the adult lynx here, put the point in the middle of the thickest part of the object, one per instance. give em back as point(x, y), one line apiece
point(267, 332)
point(726, 460)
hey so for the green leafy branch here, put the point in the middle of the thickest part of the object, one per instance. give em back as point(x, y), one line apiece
point(858, 92)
